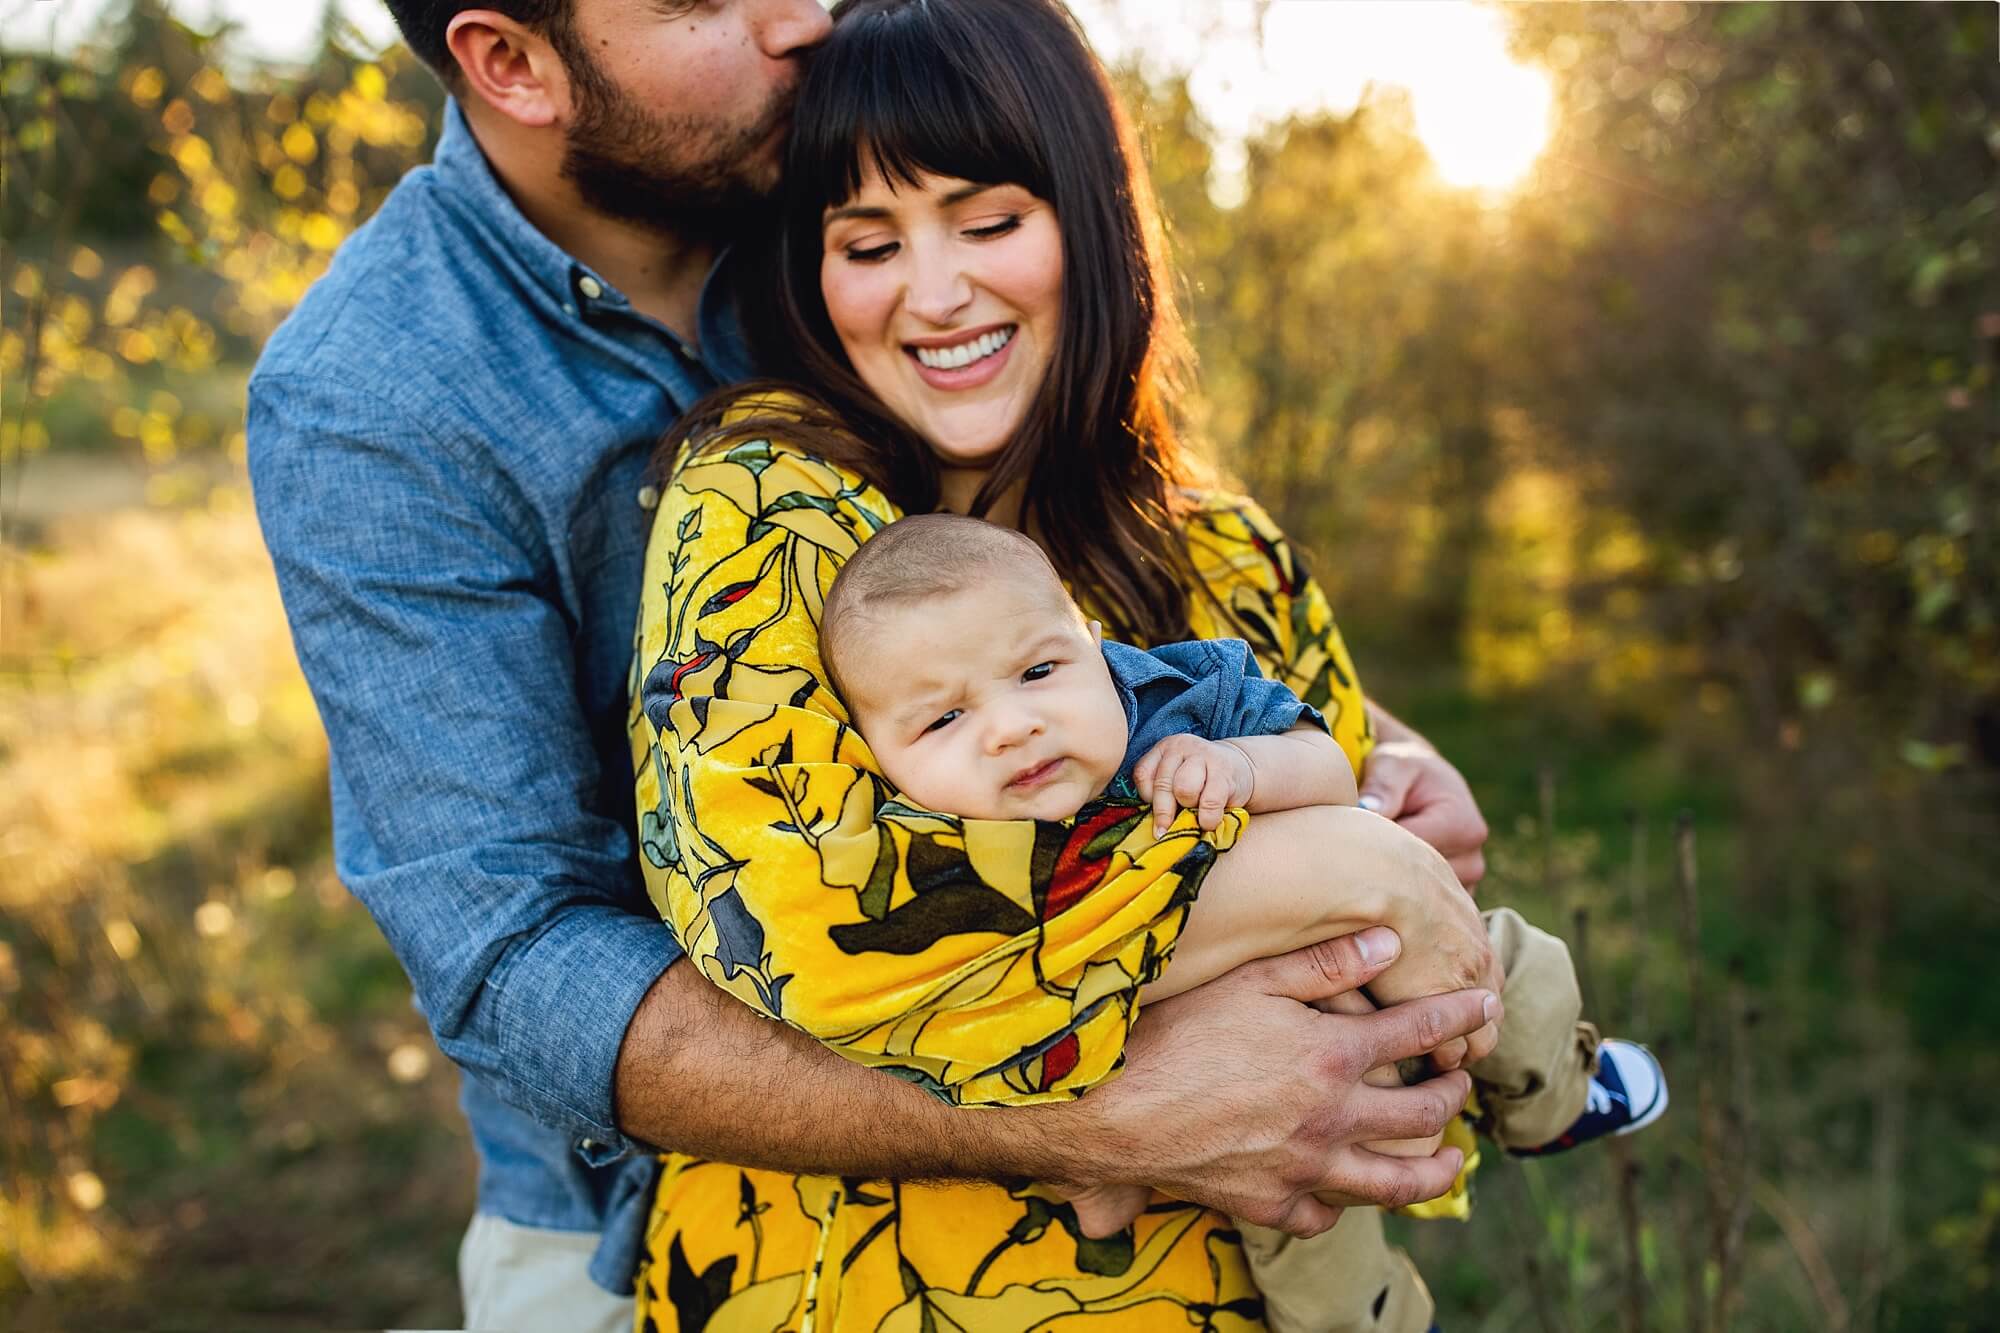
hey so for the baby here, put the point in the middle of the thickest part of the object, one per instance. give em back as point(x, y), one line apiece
point(984, 692)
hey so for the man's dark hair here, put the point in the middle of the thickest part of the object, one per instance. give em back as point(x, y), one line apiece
point(423, 23)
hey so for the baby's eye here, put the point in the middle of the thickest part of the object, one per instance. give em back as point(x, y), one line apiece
point(1040, 671)
point(942, 722)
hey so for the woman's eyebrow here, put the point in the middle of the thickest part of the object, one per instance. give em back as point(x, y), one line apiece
point(958, 196)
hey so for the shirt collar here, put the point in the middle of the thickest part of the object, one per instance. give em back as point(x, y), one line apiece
point(1132, 669)
point(571, 284)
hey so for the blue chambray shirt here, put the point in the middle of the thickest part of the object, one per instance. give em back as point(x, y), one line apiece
point(448, 441)
point(1211, 688)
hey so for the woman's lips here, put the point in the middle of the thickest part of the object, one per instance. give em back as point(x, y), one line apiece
point(1035, 776)
point(964, 377)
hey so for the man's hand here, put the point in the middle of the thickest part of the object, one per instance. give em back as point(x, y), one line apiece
point(1407, 780)
point(1240, 1096)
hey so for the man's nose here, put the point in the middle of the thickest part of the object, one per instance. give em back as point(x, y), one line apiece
point(791, 27)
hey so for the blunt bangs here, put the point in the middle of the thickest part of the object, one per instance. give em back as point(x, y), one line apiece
point(877, 95)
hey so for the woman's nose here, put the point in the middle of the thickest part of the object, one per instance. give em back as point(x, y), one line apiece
point(938, 288)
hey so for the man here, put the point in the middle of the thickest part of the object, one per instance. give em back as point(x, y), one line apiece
point(448, 443)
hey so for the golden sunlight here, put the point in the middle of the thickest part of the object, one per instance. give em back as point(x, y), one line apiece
point(1482, 115)
point(1485, 121)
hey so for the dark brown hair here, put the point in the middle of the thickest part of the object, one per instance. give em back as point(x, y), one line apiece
point(997, 92)
point(423, 24)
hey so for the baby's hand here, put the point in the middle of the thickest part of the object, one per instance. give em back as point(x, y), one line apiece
point(1205, 776)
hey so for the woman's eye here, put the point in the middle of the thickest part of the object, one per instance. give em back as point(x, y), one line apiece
point(942, 722)
point(991, 230)
point(1040, 671)
point(871, 254)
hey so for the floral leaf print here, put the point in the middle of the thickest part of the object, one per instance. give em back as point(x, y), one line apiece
point(697, 1296)
point(949, 909)
point(739, 936)
point(1109, 1256)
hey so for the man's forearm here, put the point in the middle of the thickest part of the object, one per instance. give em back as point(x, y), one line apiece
point(700, 1073)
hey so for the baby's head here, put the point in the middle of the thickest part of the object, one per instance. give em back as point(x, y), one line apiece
point(978, 684)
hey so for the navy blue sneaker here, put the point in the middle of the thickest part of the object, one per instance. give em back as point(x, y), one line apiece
point(1628, 1092)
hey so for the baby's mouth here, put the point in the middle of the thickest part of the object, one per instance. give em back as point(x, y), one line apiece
point(1030, 778)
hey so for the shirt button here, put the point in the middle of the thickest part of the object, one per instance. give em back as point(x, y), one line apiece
point(588, 1145)
point(649, 497)
point(590, 287)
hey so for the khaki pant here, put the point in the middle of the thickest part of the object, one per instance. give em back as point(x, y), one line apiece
point(1532, 1087)
point(518, 1279)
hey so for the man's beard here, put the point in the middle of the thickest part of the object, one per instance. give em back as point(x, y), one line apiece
point(680, 175)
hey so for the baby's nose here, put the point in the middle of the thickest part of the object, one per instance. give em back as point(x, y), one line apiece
point(1012, 727)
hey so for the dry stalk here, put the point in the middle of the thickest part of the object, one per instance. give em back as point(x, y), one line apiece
point(1636, 884)
point(1798, 1234)
point(1709, 1120)
point(1740, 1113)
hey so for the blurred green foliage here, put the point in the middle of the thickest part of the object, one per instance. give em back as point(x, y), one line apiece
point(1665, 480)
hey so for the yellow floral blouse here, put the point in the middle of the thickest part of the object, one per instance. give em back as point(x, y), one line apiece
point(990, 962)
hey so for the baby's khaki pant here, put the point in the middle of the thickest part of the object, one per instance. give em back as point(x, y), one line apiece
point(1532, 1087)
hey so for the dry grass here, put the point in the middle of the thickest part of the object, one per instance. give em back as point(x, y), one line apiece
point(218, 1102)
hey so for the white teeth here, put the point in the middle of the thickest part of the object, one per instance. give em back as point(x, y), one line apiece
point(964, 354)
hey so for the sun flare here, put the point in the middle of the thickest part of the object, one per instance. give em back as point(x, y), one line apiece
point(1486, 130)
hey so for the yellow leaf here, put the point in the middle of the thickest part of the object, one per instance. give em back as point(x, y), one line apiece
point(86, 1191)
point(194, 155)
point(209, 85)
point(147, 85)
point(321, 232)
point(218, 199)
point(299, 143)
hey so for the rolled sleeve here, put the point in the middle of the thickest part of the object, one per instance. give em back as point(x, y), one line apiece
point(468, 815)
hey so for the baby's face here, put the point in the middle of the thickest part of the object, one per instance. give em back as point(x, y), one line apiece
point(992, 704)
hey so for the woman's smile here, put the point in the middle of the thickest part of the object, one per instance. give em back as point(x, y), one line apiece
point(965, 364)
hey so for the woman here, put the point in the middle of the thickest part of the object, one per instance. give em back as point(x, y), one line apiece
point(968, 280)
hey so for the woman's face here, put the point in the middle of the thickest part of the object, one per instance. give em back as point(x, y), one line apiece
point(947, 297)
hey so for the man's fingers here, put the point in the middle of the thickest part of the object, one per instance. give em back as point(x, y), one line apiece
point(1394, 1182)
point(1385, 785)
point(1453, 827)
point(1418, 1027)
point(1328, 968)
point(1308, 1217)
point(1470, 867)
point(1415, 1112)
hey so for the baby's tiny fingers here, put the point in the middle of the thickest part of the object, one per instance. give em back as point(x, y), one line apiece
point(1214, 800)
point(1164, 805)
point(1190, 779)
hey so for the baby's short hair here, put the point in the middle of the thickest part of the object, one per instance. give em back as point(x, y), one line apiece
point(918, 558)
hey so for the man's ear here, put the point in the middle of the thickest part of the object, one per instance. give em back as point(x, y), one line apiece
point(509, 66)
